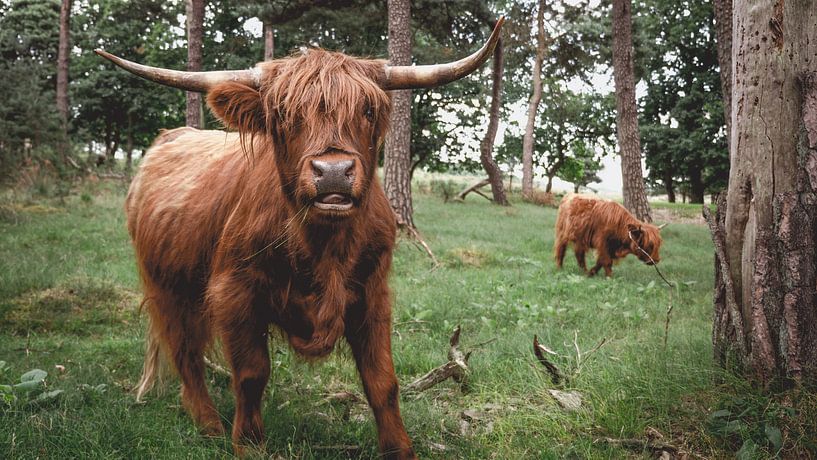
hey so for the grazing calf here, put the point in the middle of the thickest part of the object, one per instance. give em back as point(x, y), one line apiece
point(592, 223)
point(283, 224)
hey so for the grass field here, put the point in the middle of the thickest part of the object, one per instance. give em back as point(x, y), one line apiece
point(69, 299)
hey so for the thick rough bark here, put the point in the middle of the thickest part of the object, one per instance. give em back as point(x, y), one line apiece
point(635, 195)
point(269, 41)
point(723, 33)
point(770, 225)
point(195, 20)
point(486, 147)
point(533, 107)
point(397, 161)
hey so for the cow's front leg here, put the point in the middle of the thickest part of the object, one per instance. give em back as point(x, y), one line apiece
point(243, 331)
point(370, 340)
point(602, 261)
point(246, 349)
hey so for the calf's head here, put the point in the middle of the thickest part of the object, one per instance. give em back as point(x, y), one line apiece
point(645, 242)
point(321, 116)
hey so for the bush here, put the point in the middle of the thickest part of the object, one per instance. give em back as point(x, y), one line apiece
point(445, 189)
point(542, 198)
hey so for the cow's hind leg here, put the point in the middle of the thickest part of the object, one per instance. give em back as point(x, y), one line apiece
point(184, 333)
point(580, 251)
point(561, 248)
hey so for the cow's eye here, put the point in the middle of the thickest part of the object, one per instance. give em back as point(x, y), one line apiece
point(368, 112)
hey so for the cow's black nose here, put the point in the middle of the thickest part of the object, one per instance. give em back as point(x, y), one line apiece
point(333, 176)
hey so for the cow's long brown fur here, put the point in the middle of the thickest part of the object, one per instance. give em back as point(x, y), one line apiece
point(228, 243)
point(588, 222)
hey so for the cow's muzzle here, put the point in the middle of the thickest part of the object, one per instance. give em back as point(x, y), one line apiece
point(333, 182)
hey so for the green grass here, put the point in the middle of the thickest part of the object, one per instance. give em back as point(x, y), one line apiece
point(69, 296)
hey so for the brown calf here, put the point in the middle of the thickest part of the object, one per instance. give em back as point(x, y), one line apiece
point(592, 223)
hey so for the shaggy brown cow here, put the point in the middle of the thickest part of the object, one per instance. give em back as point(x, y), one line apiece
point(282, 224)
point(592, 223)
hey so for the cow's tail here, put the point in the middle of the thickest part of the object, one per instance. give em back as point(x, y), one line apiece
point(152, 370)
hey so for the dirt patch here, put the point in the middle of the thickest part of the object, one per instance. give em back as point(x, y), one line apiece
point(471, 256)
point(667, 215)
point(80, 307)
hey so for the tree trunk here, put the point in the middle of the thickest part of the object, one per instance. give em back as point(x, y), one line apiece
point(635, 195)
point(397, 161)
point(549, 186)
point(195, 20)
point(697, 188)
point(723, 33)
point(669, 186)
point(533, 107)
point(269, 41)
point(766, 308)
point(486, 147)
point(129, 146)
point(63, 57)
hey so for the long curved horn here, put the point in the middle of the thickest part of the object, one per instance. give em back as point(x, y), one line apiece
point(199, 82)
point(429, 76)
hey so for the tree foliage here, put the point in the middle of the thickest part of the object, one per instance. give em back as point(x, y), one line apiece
point(112, 110)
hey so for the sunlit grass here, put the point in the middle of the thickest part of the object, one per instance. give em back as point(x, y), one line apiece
point(69, 297)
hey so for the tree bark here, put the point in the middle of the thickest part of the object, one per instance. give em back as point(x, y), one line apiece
point(533, 107)
point(635, 194)
point(63, 57)
point(770, 245)
point(486, 147)
point(669, 186)
point(723, 34)
point(269, 41)
point(195, 20)
point(397, 161)
point(697, 188)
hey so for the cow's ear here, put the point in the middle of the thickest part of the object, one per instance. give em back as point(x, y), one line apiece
point(238, 106)
point(634, 230)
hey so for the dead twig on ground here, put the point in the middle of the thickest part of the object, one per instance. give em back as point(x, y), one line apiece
point(417, 239)
point(456, 368)
point(670, 285)
point(556, 375)
point(539, 350)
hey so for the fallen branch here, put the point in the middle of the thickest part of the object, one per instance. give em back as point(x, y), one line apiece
point(456, 368)
point(474, 188)
point(217, 368)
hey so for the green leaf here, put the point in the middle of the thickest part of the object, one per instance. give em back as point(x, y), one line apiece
point(748, 451)
point(30, 385)
point(721, 413)
point(45, 398)
point(774, 436)
point(34, 375)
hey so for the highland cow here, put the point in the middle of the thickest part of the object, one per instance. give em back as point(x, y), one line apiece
point(283, 224)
